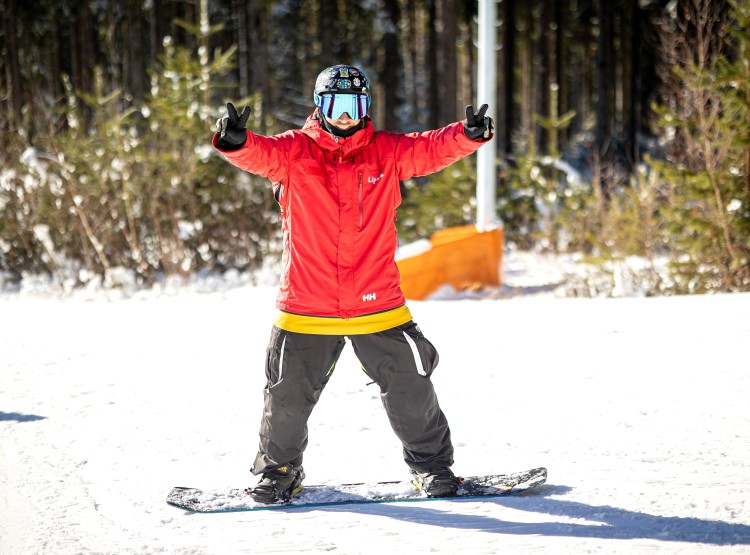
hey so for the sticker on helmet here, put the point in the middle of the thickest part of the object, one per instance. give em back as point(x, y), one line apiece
point(344, 72)
point(356, 82)
point(354, 72)
point(344, 84)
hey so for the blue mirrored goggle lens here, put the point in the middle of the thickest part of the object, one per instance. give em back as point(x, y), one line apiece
point(335, 105)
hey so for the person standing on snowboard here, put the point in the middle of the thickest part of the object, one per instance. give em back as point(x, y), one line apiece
point(337, 183)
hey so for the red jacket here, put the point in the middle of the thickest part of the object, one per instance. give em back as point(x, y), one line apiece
point(338, 199)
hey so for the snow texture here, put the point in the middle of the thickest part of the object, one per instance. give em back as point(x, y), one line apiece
point(638, 407)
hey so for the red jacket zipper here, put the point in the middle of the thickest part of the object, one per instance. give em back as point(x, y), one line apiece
point(361, 209)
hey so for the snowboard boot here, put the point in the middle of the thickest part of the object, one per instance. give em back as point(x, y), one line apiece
point(280, 484)
point(440, 482)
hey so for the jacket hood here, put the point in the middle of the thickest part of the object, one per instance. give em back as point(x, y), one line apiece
point(314, 129)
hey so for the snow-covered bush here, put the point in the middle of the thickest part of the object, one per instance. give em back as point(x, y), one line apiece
point(140, 189)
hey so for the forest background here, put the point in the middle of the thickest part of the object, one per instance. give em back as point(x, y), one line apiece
point(622, 126)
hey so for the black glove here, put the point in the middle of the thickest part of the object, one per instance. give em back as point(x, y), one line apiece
point(478, 126)
point(231, 129)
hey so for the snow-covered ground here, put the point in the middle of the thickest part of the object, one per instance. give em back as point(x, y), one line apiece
point(639, 407)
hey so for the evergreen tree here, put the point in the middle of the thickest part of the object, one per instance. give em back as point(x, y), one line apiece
point(708, 217)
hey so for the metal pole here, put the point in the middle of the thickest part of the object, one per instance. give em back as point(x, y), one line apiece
point(487, 80)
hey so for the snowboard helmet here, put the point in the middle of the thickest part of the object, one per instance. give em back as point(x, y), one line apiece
point(342, 88)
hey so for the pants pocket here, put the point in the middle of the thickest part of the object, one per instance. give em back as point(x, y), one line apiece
point(425, 354)
point(275, 358)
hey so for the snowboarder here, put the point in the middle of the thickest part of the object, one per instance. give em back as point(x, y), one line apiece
point(337, 183)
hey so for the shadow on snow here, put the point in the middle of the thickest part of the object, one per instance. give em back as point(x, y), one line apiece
point(18, 417)
point(603, 521)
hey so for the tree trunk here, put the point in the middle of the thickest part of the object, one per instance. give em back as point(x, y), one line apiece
point(135, 79)
point(394, 66)
point(469, 39)
point(158, 28)
point(52, 56)
point(413, 70)
point(747, 151)
point(508, 117)
point(257, 42)
point(328, 19)
point(527, 86)
point(82, 50)
point(190, 15)
point(243, 60)
point(432, 65)
point(634, 109)
point(603, 132)
point(584, 87)
point(447, 69)
point(561, 78)
point(543, 74)
point(12, 66)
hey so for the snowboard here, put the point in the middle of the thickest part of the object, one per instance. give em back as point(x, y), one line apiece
point(236, 500)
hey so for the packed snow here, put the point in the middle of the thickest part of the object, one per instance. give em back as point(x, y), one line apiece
point(638, 406)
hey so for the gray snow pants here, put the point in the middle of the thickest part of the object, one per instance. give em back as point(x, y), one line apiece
point(400, 360)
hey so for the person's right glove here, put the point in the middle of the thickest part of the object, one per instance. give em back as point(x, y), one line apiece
point(477, 125)
point(231, 129)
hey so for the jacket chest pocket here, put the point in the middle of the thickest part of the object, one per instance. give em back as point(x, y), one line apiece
point(368, 192)
point(306, 180)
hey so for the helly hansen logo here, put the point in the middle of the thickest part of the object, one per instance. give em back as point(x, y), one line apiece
point(372, 179)
point(368, 297)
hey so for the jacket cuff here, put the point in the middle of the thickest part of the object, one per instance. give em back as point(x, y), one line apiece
point(221, 146)
point(478, 139)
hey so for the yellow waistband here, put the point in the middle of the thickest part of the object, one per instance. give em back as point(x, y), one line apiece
point(321, 325)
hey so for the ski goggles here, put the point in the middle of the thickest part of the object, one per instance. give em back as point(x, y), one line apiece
point(334, 105)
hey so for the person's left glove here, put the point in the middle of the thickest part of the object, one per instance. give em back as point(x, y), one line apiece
point(231, 129)
point(477, 125)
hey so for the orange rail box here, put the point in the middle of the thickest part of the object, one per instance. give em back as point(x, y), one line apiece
point(462, 257)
